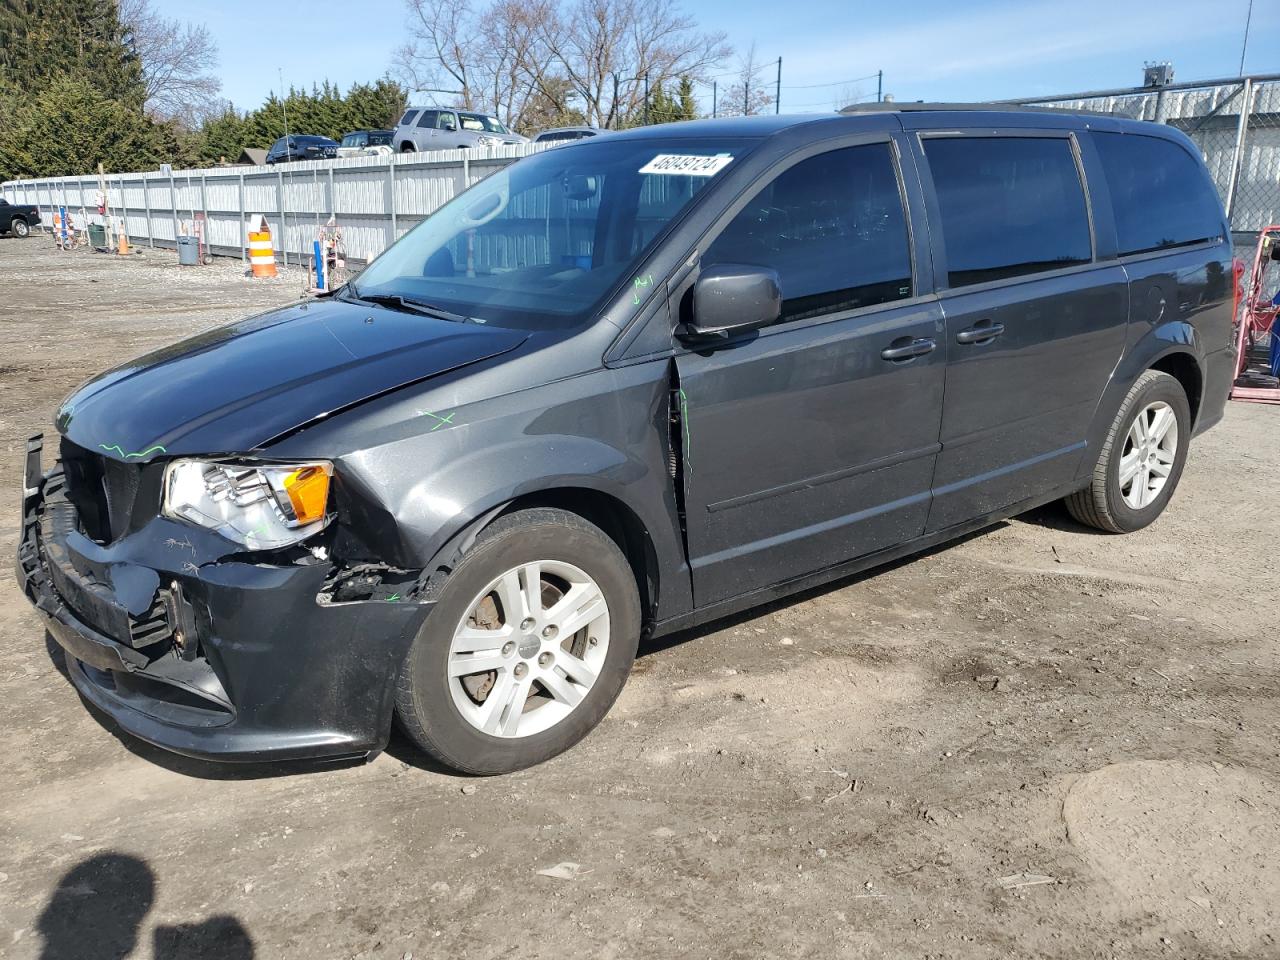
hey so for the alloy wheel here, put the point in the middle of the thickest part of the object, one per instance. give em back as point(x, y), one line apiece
point(529, 649)
point(1150, 449)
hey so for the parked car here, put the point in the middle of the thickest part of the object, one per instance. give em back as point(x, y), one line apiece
point(443, 128)
point(618, 389)
point(302, 146)
point(365, 143)
point(17, 219)
point(560, 134)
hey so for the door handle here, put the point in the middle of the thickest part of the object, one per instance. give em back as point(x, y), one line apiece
point(980, 332)
point(907, 348)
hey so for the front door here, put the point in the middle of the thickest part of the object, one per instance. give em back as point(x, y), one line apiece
point(1035, 325)
point(813, 441)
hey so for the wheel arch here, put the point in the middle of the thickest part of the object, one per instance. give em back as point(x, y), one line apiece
point(610, 513)
point(1172, 348)
point(1183, 366)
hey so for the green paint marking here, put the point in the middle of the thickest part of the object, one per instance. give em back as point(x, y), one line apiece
point(443, 420)
point(393, 598)
point(135, 453)
point(638, 284)
point(684, 419)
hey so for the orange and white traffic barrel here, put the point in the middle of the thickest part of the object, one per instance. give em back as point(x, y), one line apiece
point(262, 258)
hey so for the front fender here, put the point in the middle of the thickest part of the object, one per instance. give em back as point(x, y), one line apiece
point(423, 473)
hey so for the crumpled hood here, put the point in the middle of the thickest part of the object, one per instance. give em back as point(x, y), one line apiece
point(237, 387)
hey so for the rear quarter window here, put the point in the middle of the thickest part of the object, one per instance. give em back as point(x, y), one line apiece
point(1161, 194)
point(1010, 206)
point(408, 117)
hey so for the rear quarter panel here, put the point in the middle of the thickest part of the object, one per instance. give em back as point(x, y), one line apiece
point(1180, 302)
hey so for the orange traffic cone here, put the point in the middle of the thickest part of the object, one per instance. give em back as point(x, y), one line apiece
point(262, 258)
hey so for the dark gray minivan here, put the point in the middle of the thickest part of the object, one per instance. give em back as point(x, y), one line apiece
point(614, 390)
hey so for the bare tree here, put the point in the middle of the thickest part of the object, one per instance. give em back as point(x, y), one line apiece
point(444, 47)
point(517, 57)
point(607, 48)
point(177, 62)
point(752, 92)
point(489, 59)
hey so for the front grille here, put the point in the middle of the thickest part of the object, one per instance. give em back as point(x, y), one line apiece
point(105, 491)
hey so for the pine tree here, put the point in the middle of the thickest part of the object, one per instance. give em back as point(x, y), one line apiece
point(41, 40)
point(688, 102)
point(71, 126)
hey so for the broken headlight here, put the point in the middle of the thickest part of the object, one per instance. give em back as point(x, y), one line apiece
point(260, 506)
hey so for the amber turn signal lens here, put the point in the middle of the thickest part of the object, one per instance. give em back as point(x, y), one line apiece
point(308, 490)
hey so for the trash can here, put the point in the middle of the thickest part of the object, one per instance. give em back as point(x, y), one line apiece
point(188, 251)
point(97, 236)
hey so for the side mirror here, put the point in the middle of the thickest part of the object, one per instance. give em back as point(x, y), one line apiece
point(731, 298)
point(579, 187)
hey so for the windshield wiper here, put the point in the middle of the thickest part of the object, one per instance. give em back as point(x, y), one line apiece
point(398, 302)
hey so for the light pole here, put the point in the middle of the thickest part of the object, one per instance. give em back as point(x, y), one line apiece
point(284, 105)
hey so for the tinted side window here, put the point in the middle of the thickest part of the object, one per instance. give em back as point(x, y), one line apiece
point(833, 227)
point(1161, 195)
point(1010, 206)
point(408, 117)
point(428, 118)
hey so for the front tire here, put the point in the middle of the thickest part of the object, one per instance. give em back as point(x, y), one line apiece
point(19, 228)
point(530, 642)
point(1141, 461)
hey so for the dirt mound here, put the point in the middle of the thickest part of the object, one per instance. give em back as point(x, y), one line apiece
point(1195, 846)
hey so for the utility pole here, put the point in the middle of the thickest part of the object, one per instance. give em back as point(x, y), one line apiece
point(713, 99)
point(614, 106)
point(1248, 17)
point(284, 104)
point(746, 94)
point(777, 93)
point(879, 86)
point(646, 98)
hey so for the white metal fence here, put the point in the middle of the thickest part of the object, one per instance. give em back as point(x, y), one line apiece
point(374, 199)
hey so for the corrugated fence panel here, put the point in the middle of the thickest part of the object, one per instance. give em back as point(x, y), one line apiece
point(365, 194)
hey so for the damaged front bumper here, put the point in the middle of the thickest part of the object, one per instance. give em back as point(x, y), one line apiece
point(197, 649)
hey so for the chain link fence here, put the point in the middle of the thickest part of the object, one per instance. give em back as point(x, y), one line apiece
point(1236, 124)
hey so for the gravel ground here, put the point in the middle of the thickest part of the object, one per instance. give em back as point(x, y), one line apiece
point(1038, 742)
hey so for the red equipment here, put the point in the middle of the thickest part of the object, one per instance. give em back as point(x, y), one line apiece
point(1253, 381)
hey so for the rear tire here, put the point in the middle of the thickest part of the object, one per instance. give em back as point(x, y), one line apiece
point(407, 148)
point(492, 683)
point(19, 228)
point(1141, 460)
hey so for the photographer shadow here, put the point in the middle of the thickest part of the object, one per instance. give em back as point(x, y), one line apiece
point(97, 910)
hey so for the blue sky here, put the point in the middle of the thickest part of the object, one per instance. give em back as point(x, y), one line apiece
point(943, 50)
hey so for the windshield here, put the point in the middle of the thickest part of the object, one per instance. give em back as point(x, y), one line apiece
point(480, 123)
point(542, 242)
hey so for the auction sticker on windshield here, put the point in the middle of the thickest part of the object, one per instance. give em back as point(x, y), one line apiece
point(687, 164)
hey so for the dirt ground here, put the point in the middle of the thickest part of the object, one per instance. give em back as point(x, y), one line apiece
point(1039, 742)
